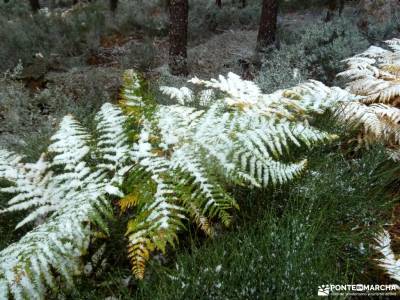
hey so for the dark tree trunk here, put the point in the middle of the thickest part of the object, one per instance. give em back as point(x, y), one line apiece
point(341, 6)
point(35, 6)
point(219, 3)
point(331, 10)
point(113, 5)
point(332, 7)
point(74, 2)
point(267, 30)
point(178, 10)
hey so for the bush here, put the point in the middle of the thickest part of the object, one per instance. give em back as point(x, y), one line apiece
point(27, 118)
point(65, 36)
point(311, 52)
point(72, 32)
point(206, 18)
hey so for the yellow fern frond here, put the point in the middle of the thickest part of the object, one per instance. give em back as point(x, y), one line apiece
point(139, 254)
point(129, 201)
point(392, 69)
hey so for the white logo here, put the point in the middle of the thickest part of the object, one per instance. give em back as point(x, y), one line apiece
point(323, 290)
point(358, 289)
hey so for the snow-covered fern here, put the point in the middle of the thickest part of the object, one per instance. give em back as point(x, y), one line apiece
point(170, 164)
point(66, 191)
point(182, 154)
point(374, 75)
point(389, 261)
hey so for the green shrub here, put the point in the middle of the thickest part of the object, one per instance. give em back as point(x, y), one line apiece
point(207, 19)
point(311, 51)
point(27, 119)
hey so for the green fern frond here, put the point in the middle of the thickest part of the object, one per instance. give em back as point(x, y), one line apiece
point(135, 98)
point(208, 195)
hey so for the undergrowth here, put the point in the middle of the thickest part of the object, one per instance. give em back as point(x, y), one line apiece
point(286, 242)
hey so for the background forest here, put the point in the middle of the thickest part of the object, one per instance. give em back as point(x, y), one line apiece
point(126, 173)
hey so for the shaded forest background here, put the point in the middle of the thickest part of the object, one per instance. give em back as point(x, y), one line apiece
point(73, 56)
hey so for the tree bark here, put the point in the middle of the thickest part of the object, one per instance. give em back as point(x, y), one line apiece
point(268, 24)
point(341, 6)
point(178, 10)
point(35, 6)
point(113, 5)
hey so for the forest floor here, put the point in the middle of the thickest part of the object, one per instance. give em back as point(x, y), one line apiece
point(95, 77)
point(225, 50)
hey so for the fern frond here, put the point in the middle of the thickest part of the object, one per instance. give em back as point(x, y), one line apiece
point(135, 98)
point(113, 140)
point(69, 144)
point(239, 92)
point(10, 165)
point(39, 187)
point(29, 265)
point(375, 74)
point(69, 194)
point(129, 201)
point(131, 95)
point(389, 262)
point(183, 95)
point(208, 195)
point(112, 144)
point(157, 221)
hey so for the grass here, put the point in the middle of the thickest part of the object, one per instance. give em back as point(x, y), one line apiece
point(317, 230)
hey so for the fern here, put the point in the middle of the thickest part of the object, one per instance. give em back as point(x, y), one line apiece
point(36, 185)
point(173, 163)
point(68, 192)
point(182, 153)
point(374, 75)
point(389, 262)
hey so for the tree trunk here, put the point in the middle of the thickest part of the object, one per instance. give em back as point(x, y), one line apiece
point(35, 6)
point(178, 10)
point(341, 7)
point(331, 10)
point(219, 3)
point(267, 30)
point(113, 5)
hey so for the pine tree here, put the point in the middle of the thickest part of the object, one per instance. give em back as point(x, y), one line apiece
point(268, 24)
point(179, 10)
point(113, 5)
point(35, 5)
